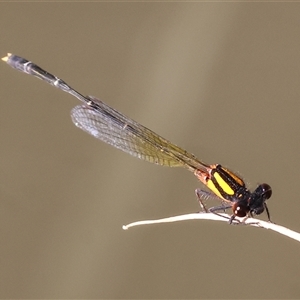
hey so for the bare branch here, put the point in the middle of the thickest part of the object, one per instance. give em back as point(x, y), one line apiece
point(223, 217)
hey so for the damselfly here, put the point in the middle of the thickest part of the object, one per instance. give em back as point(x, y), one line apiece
point(107, 124)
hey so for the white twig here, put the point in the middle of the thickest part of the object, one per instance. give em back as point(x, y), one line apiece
point(210, 216)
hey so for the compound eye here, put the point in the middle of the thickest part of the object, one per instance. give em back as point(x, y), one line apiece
point(240, 210)
point(267, 191)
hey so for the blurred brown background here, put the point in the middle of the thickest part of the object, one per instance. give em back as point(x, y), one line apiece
point(219, 79)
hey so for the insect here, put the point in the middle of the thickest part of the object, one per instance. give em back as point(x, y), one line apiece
point(107, 124)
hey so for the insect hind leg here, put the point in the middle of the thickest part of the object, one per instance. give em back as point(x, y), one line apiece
point(215, 210)
point(204, 196)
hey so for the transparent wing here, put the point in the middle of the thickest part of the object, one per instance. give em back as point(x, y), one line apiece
point(112, 127)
